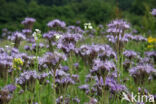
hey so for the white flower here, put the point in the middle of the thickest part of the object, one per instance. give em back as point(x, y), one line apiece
point(35, 35)
point(38, 31)
point(88, 26)
point(58, 36)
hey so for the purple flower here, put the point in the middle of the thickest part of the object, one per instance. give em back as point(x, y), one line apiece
point(10, 88)
point(68, 42)
point(28, 20)
point(84, 87)
point(142, 72)
point(76, 100)
point(117, 26)
point(154, 12)
point(139, 38)
point(102, 67)
point(113, 85)
point(5, 96)
point(52, 60)
point(56, 23)
point(26, 31)
point(76, 65)
point(1, 50)
point(16, 38)
point(28, 79)
point(130, 54)
point(74, 29)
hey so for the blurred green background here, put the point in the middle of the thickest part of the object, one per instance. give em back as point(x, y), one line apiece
point(12, 12)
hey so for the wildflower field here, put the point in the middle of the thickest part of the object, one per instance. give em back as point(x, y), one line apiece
point(68, 64)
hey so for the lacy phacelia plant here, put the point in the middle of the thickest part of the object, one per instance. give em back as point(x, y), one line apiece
point(141, 73)
point(27, 80)
point(74, 30)
point(52, 60)
point(51, 36)
point(117, 29)
point(91, 52)
point(56, 24)
point(28, 22)
point(6, 93)
point(102, 68)
point(5, 64)
point(16, 37)
point(130, 54)
point(151, 54)
point(68, 42)
point(153, 12)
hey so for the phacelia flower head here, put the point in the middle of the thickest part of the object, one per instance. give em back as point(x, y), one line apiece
point(10, 88)
point(142, 72)
point(16, 38)
point(56, 23)
point(28, 22)
point(28, 79)
point(154, 12)
point(101, 68)
point(130, 54)
point(52, 60)
point(117, 26)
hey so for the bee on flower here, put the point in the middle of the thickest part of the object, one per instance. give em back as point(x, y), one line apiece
point(17, 63)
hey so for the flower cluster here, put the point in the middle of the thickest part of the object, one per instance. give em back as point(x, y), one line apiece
point(52, 36)
point(16, 37)
point(17, 63)
point(52, 60)
point(5, 33)
point(91, 52)
point(117, 27)
point(130, 54)
point(56, 23)
point(74, 29)
point(27, 79)
point(101, 68)
point(28, 22)
point(141, 73)
point(68, 42)
point(5, 64)
point(154, 12)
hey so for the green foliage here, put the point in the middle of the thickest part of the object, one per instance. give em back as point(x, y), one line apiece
point(12, 12)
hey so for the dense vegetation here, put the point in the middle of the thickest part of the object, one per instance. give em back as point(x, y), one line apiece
point(77, 52)
point(12, 12)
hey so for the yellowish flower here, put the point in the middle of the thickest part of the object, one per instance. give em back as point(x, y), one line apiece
point(17, 63)
point(151, 40)
point(150, 46)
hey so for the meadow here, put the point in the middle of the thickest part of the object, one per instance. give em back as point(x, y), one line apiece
point(73, 65)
